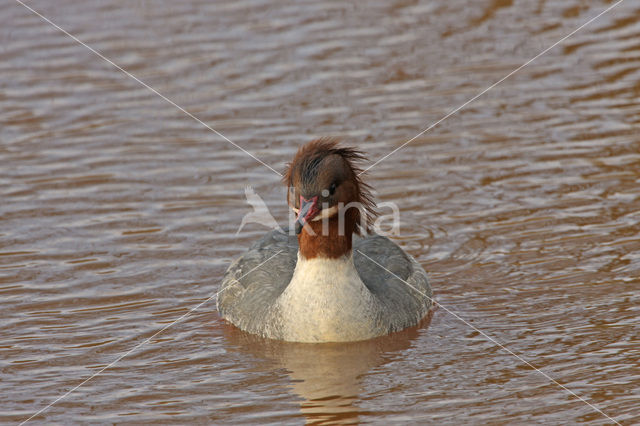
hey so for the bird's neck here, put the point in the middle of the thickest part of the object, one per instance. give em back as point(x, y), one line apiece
point(330, 238)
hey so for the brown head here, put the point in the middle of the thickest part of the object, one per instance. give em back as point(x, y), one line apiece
point(329, 198)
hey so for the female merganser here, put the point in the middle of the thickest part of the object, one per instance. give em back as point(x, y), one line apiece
point(325, 285)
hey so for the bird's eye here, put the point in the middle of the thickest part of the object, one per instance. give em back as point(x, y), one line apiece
point(332, 189)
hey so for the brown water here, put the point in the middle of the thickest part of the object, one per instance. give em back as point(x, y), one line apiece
point(119, 212)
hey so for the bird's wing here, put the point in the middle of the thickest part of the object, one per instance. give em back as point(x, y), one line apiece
point(248, 292)
point(399, 282)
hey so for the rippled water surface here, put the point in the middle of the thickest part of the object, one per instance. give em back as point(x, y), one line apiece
point(119, 212)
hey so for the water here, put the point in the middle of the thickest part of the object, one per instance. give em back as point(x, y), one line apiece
point(119, 212)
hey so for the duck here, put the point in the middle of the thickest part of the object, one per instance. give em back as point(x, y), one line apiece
point(329, 277)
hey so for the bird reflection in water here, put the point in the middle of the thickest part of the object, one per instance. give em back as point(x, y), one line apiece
point(327, 376)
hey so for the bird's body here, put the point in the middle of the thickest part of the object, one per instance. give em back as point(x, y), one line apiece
point(324, 285)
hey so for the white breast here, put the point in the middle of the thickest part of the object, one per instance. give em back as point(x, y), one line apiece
point(326, 301)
